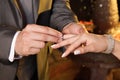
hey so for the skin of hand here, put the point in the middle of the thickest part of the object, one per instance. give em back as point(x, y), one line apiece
point(33, 37)
point(116, 50)
point(74, 28)
point(82, 43)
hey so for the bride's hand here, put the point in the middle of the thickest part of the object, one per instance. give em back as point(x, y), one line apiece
point(82, 43)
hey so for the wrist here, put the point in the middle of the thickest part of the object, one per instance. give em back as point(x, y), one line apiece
point(116, 50)
point(110, 44)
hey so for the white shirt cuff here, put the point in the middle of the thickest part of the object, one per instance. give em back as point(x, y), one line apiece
point(12, 49)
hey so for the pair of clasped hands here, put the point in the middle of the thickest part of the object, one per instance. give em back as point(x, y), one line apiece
point(74, 38)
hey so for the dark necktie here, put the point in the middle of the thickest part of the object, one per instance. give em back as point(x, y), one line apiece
point(27, 9)
point(30, 9)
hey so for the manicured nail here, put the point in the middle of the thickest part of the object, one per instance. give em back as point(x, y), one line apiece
point(53, 46)
point(76, 52)
point(63, 55)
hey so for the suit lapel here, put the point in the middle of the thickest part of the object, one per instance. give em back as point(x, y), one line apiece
point(34, 6)
point(27, 7)
point(35, 9)
point(30, 8)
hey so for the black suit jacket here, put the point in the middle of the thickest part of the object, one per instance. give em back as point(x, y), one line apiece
point(11, 21)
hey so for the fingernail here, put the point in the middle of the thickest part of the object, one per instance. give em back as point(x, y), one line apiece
point(53, 46)
point(63, 55)
point(76, 52)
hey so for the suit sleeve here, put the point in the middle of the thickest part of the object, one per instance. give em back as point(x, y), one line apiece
point(6, 36)
point(61, 14)
point(9, 24)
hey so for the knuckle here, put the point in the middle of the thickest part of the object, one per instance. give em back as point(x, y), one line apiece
point(54, 39)
point(29, 27)
point(43, 37)
point(26, 35)
point(47, 29)
point(42, 45)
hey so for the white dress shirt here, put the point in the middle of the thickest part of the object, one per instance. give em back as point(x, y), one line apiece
point(12, 49)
